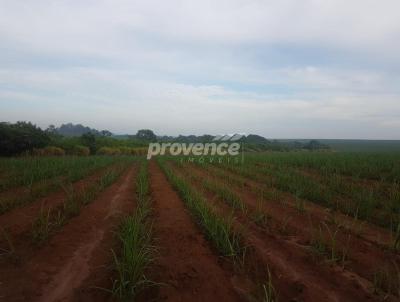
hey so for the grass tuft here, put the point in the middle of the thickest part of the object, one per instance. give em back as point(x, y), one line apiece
point(134, 257)
point(269, 292)
point(41, 226)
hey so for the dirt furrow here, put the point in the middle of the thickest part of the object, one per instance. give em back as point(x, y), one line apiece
point(186, 266)
point(20, 219)
point(352, 250)
point(294, 265)
point(303, 227)
point(371, 233)
point(76, 261)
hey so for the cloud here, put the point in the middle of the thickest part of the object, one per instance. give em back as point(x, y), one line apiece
point(174, 108)
point(360, 24)
point(282, 69)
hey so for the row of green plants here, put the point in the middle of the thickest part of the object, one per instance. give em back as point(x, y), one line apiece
point(324, 238)
point(136, 252)
point(223, 192)
point(362, 202)
point(377, 201)
point(383, 194)
point(274, 195)
point(44, 186)
point(221, 184)
point(237, 175)
point(49, 221)
point(217, 229)
point(365, 203)
point(376, 166)
point(26, 171)
point(266, 290)
point(193, 185)
point(221, 176)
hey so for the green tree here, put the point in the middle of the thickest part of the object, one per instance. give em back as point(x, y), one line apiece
point(20, 137)
point(146, 135)
point(89, 140)
point(105, 133)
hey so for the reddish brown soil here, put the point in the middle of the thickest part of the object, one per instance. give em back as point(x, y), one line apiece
point(293, 263)
point(23, 193)
point(374, 231)
point(384, 189)
point(76, 261)
point(40, 188)
point(185, 265)
point(369, 232)
point(302, 227)
point(18, 222)
point(316, 174)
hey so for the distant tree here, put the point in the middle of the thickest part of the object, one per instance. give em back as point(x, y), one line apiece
point(105, 133)
point(75, 130)
point(20, 137)
point(298, 145)
point(206, 138)
point(89, 140)
point(146, 135)
point(315, 145)
point(255, 139)
point(52, 132)
point(51, 129)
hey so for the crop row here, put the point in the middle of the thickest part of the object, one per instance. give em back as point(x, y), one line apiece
point(376, 166)
point(327, 238)
point(223, 231)
point(49, 220)
point(136, 252)
point(27, 171)
point(374, 204)
point(34, 190)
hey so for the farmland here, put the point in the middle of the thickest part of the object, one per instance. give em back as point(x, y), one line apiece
point(275, 226)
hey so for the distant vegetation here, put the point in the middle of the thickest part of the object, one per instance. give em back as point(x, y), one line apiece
point(76, 130)
point(20, 137)
point(363, 145)
point(69, 139)
point(253, 142)
point(25, 138)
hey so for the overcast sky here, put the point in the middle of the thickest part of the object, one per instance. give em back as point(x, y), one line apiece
point(281, 69)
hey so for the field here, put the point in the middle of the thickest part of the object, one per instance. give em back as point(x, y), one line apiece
point(277, 226)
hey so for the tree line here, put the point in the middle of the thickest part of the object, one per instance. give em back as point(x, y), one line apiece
point(25, 137)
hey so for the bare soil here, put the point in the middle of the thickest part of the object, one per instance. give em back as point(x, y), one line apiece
point(293, 262)
point(76, 261)
point(186, 267)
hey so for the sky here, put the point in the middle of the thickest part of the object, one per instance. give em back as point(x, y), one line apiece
point(281, 69)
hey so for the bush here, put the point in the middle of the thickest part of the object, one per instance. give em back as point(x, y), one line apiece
point(108, 151)
point(121, 151)
point(49, 151)
point(139, 151)
point(126, 150)
point(80, 151)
